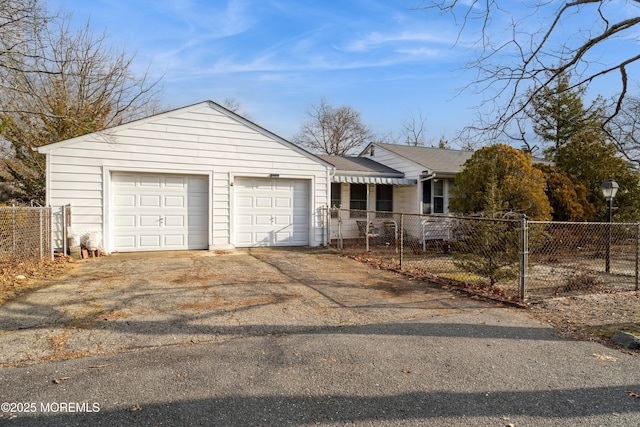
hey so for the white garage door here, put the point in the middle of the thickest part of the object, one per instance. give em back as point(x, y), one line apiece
point(271, 212)
point(153, 212)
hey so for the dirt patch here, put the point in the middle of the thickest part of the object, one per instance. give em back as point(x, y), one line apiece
point(591, 317)
point(21, 276)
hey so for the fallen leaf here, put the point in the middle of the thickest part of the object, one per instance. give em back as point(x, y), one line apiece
point(633, 394)
point(59, 380)
point(136, 408)
point(604, 357)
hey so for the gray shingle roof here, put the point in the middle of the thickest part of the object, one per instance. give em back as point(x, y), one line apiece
point(433, 159)
point(361, 165)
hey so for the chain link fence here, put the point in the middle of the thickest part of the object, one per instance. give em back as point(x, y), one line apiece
point(25, 233)
point(510, 258)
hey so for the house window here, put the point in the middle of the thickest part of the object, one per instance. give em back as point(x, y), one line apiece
point(384, 198)
point(426, 197)
point(336, 198)
point(358, 200)
point(438, 196)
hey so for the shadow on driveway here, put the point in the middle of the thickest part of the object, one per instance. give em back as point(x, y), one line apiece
point(301, 337)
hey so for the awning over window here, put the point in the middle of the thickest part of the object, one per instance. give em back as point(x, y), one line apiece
point(373, 180)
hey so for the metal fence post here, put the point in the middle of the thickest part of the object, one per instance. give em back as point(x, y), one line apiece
point(65, 239)
point(367, 231)
point(325, 225)
point(13, 229)
point(340, 242)
point(637, 252)
point(524, 258)
point(401, 239)
point(49, 227)
point(41, 236)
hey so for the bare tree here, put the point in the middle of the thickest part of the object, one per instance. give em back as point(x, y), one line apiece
point(414, 128)
point(235, 106)
point(624, 129)
point(19, 19)
point(68, 83)
point(330, 130)
point(521, 53)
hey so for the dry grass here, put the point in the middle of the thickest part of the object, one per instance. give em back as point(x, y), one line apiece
point(21, 276)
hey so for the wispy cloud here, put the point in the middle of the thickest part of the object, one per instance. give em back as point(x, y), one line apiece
point(376, 40)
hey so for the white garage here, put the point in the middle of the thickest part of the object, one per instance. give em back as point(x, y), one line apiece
point(199, 177)
point(152, 212)
point(271, 212)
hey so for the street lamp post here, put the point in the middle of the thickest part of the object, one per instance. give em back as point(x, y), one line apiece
point(609, 190)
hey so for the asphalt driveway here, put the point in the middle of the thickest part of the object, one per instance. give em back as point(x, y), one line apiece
point(145, 300)
point(291, 337)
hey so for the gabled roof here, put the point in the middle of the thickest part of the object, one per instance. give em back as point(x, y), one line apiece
point(50, 147)
point(432, 159)
point(440, 161)
point(362, 170)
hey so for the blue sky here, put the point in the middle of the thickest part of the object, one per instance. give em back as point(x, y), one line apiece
point(277, 57)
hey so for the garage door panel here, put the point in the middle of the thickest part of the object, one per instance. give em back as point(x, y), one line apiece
point(152, 181)
point(198, 185)
point(125, 242)
point(300, 219)
point(125, 221)
point(174, 201)
point(300, 238)
point(125, 201)
point(283, 237)
point(282, 220)
point(197, 202)
point(244, 239)
point(123, 180)
point(244, 220)
point(198, 222)
point(283, 185)
point(175, 182)
point(263, 202)
point(281, 202)
point(263, 238)
point(146, 221)
point(244, 202)
point(149, 201)
point(156, 212)
point(152, 241)
point(174, 221)
point(176, 240)
point(262, 220)
point(196, 240)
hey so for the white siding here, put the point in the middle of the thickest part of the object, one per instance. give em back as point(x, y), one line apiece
point(408, 197)
point(198, 140)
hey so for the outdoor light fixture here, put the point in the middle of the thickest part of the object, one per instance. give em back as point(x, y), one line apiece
point(609, 190)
